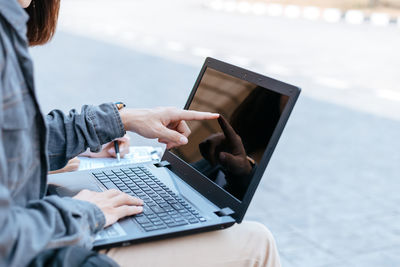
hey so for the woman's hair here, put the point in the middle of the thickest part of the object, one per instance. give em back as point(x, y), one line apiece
point(43, 15)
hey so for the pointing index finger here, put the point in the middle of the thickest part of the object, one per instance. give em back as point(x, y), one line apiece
point(191, 115)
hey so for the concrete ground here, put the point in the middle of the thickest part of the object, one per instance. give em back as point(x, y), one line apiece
point(330, 193)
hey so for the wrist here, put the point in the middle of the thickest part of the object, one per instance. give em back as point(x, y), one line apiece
point(133, 119)
point(123, 113)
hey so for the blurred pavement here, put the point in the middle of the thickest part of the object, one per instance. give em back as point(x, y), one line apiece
point(331, 192)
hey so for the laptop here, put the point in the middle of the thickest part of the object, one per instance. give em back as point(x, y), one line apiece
point(208, 183)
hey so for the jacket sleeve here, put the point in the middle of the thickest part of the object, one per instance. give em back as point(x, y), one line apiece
point(29, 227)
point(69, 135)
point(50, 222)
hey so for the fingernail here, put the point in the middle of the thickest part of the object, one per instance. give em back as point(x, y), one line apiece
point(183, 140)
point(140, 208)
point(110, 151)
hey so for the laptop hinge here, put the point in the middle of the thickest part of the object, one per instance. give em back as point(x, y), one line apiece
point(224, 212)
point(163, 163)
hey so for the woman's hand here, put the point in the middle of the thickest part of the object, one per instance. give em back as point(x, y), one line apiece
point(167, 124)
point(108, 149)
point(113, 203)
point(72, 165)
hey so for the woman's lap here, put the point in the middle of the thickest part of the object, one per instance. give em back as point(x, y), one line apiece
point(245, 244)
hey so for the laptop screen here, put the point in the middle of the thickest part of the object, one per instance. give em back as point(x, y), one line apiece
point(228, 150)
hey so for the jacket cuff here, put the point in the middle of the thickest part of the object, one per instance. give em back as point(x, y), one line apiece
point(107, 122)
point(90, 212)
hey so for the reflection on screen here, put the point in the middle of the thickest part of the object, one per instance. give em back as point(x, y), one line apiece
point(227, 150)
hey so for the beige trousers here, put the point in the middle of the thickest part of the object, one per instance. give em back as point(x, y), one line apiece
point(245, 244)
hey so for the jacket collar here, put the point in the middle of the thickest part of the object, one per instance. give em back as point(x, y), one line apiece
point(14, 14)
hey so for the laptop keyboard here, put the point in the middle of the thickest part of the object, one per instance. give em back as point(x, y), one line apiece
point(162, 207)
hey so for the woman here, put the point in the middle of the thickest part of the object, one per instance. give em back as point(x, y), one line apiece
point(31, 222)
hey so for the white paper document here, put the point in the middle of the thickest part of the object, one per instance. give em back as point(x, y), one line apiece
point(137, 154)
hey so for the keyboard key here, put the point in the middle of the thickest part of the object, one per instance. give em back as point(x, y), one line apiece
point(151, 203)
point(185, 213)
point(177, 206)
point(157, 209)
point(150, 228)
point(147, 211)
point(142, 220)
point(155, 220)
point(110, 185)
point(174, 224)
point(152, 215)
point(172, 212)
point(159, 227)
point(158, 199)
point(172, 202)
point(168, 221)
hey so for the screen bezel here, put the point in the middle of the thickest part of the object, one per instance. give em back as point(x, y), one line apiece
point(216, 194)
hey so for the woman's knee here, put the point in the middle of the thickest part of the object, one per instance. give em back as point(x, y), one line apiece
point(261, 244)
point(259, 231)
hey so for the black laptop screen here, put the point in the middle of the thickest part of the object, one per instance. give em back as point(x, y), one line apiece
point(228, 150)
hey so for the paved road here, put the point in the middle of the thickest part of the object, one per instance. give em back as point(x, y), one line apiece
point(330, 193)
point(353, 65)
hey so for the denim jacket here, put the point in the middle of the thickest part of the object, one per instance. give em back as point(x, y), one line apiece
point(30, 145)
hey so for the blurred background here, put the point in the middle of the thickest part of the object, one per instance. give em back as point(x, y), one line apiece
point(330, 194)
